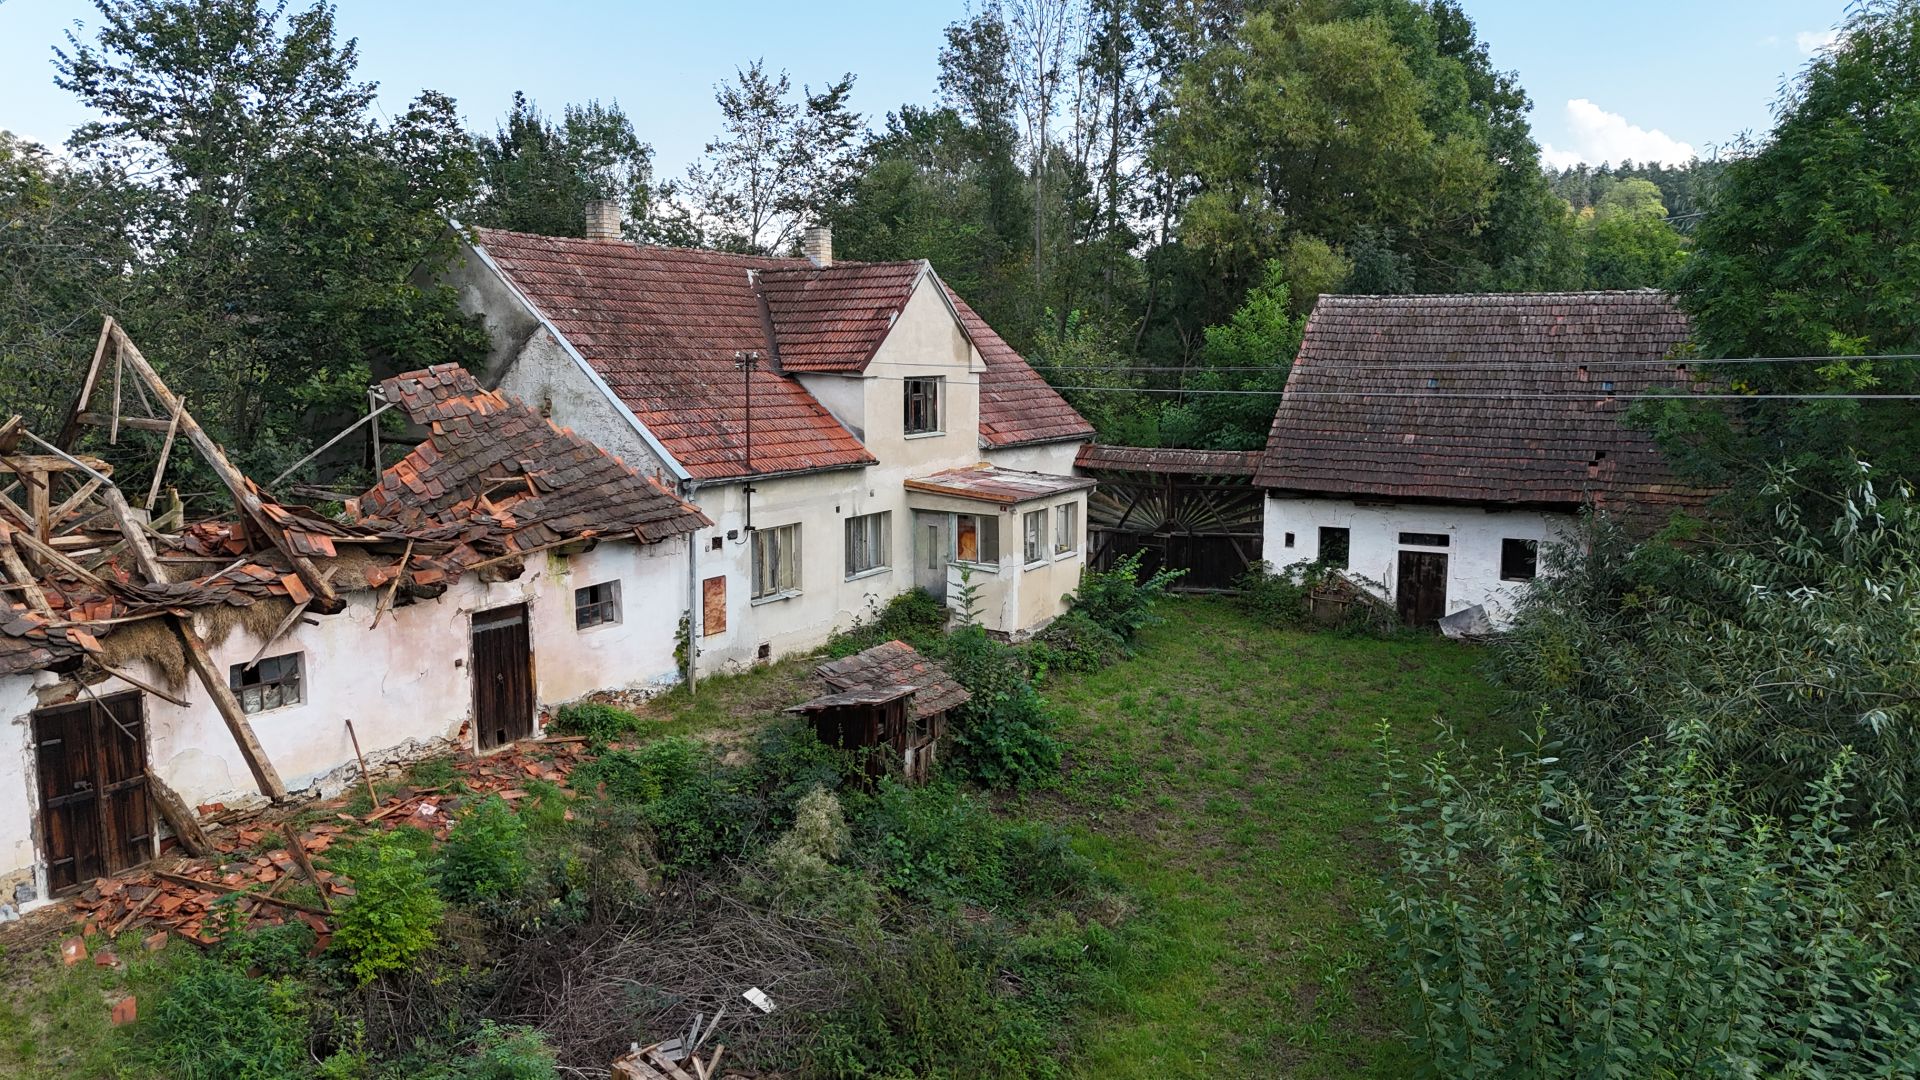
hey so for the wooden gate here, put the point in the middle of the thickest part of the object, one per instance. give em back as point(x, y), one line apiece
point(94, 816)
point(1420, 594)
point(1192, 510)
point(503, 697)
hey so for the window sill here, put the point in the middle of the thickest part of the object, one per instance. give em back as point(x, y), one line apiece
point(275, 709)
point(606, 624)
point(875, 572)
point(1058, 555)
point(1518, 580)
point(773, 598)
point(922, 434)
point(1036, 564)
point(991, 568)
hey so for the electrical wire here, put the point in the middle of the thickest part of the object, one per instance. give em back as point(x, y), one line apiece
point(1601, 396)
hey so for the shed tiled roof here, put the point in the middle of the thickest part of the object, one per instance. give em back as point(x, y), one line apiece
point(491, 456)
point(1167, 460)
point(661, 326)
point(1483, 435)
point(895, 664)
point(834, 319)
point(1017, 407)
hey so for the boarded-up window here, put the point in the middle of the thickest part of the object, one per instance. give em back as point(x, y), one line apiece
point(713, 606)
point(976, 539)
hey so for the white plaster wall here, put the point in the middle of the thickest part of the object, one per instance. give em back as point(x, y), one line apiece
point(544, 376)
point(1053, 457)
point(1473, 551)
point(845, 396)
point(406, 686)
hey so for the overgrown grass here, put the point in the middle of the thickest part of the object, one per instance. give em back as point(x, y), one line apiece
point(1225, 776)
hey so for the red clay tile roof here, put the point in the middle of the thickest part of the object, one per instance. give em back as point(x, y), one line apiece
point(990, 483)
point(834, 319)
point(1017, 407)
point(1477, 447)
point(892, 664)
point(490, 456)
point(661, 326)
point(1166, 461)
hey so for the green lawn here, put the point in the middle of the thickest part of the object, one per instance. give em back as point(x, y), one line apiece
point(1225, 777)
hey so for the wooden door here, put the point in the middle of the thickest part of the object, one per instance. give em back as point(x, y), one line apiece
point(503, 698)
point(930, 552)
point(94, 816)
point(1421, 592)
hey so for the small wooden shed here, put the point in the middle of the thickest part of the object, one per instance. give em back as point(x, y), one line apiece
point(888, 698)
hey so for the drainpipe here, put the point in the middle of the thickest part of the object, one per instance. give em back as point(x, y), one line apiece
point(687, 488)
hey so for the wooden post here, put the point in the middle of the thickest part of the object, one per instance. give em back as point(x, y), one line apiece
point(198, 658)
point(16, 569)
point(166, 451)
point(299, 853)
point(186, 827)
point(373, 800)
point(245, 496)
point(70, 430)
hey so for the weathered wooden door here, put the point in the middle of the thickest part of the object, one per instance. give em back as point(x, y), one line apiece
point(1421, 592)
point(503, 699)
point(92, 760)
point(930, 552)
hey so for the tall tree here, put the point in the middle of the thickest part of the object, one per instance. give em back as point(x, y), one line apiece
point(537, 174)
point(283, 232)
point(1807, 251)
point(778, 163)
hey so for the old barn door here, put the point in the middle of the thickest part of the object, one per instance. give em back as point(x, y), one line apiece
point(1421, 592)
point(503, 698)
point(94, 817)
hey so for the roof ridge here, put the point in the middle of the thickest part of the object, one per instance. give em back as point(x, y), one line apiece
point(1646, 292)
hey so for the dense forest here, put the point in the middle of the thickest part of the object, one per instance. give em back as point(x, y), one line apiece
point(1118, 186)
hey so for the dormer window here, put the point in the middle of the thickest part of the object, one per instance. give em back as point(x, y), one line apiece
point(923, 406)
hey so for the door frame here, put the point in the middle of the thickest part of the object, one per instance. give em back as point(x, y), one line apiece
point(473, 667)
point(97, 707)
point(1400, 599)
point(922, 521)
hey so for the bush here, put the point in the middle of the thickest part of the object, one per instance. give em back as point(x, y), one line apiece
point(213, 1022)
point(1284, 597)
point(915, 617)
point(683, 793)
point(1668, 934)
point(599, 722)
point(394, 914)
point(509, 1053)
point(799, 867)
point(1003, 736)
point(485, 857)
point(1074, 642)
point(935, 842)
point(1118, 600)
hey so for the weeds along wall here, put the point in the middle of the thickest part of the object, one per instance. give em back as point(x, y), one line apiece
point(407, 686)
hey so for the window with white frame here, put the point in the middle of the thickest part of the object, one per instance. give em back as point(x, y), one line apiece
point(976, 539)
point(867, 537)
point(1066, 529)
point(922, 405)
point(596, 605)
point(1033, 536)
point(776, 561)
point(269, 684)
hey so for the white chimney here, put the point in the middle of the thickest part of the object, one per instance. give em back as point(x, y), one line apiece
point(603, 220)
point(817, 244)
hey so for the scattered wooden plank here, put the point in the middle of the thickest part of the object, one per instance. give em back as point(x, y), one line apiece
point(285, 625)
point(134, 680)
point(365, 776)
point(299, 852)
point(186, 827)
point(134, 913)
point(17, 570)
point(223, 887)
point(393, 588)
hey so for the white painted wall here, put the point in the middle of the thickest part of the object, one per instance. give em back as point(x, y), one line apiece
point(1473, 550)
point(1053, 457)
point(406, 686)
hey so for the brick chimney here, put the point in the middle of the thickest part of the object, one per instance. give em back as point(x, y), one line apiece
point(603, 220)
point(817, 244)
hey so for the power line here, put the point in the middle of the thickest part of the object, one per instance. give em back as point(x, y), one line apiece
point(1498, 397)
point(1527, 365)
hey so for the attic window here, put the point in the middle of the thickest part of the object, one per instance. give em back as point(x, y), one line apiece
point(922, 406)
point(596, 605)
point(272, 683)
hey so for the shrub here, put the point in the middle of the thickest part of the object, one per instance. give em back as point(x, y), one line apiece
point(683, 793)
point(1118, 600)
point(509, 1053)
point(789, 761)
point(598, 721)
point(936, 842)
point(1666, 934)
point(1284, 597)
point(485, 857)
point(799, 867)
point(213, 1022)
point(1003, 735)
point(1074, 642)
point(394, 914)
point(915, 617)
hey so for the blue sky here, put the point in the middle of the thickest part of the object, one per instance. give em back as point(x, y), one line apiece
point(1630, 78)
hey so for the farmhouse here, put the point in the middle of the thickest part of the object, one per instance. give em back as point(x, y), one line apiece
point(147, 670)
point(851, 429)
point(1433, 444)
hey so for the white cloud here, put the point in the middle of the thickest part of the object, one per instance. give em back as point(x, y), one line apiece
point(1601, 136)
point(1813, 41)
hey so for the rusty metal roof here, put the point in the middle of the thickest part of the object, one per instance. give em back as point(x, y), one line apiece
point(990, 483)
